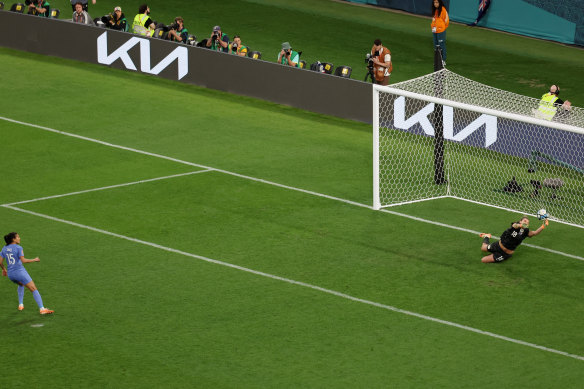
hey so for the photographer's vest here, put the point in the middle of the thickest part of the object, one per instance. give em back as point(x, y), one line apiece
point(547, 110)
point(293, 55)
point(44, 4)
point(138, 26)
point(381, 71)
point(242, 49)
point(217, 46)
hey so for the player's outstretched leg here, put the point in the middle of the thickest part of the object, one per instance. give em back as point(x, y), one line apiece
point(37, 297)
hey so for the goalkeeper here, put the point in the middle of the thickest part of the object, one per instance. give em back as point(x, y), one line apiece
point(510, 239)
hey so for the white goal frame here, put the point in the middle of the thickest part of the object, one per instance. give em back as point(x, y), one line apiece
point(377, 89)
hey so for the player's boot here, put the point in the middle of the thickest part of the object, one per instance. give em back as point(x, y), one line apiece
point(46, 311)
point(20, 307)
point(485, 235)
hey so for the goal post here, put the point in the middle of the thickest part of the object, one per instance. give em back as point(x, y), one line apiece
point(498, 153)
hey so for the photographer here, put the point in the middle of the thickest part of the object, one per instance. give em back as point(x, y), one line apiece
point(38, 7)
point(237, 48)
point(287, 56)
point(116, 20)
point(382, 66)
point(83, 4)
point(218, 41)
point(81, 16)
point(177, 31)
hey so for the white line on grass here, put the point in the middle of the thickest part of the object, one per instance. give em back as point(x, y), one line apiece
point(267, 182)
point(477, 232)
point(109, 187)
point(299, 283)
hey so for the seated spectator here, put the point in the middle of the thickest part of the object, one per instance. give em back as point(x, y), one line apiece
point(287, 56)
point(115, 20)
point(218, 40)
point(237, 48)
point(39, 7)
point(142, 24)
point(81, 16)
point(177, 31)
point(83, 3)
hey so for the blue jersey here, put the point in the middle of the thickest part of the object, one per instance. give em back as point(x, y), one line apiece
point(12, 254)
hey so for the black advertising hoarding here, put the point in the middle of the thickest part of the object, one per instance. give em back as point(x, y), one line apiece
point(304, 89)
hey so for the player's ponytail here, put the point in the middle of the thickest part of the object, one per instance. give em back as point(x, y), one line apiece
point(8, 238)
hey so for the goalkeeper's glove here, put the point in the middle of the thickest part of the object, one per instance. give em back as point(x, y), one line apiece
point(545, 224)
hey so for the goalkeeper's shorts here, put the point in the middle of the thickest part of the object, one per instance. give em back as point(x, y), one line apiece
point(498, 254)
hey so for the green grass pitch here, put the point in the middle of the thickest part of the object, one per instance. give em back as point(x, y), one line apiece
point(266, 270)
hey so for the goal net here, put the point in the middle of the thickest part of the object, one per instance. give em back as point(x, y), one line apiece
point(443, 135)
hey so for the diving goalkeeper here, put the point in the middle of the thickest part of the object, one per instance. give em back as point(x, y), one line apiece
point(510, 239)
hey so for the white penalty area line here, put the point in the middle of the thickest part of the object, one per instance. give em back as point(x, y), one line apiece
point(183, 162)
point(109, 187)
point(208, 168)
point(299, 283)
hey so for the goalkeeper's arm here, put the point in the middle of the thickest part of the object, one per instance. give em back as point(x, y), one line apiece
point(540, 229)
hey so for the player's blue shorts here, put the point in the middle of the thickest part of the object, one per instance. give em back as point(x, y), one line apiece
point(20, 277)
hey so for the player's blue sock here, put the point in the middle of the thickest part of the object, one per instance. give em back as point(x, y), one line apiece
point(20, 294)
point(38, 299)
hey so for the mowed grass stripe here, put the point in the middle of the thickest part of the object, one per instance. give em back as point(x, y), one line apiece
point(204, 325)
point(208, 168)
point(299, 283)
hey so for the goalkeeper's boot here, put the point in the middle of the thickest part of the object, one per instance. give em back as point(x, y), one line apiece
point(45, 311)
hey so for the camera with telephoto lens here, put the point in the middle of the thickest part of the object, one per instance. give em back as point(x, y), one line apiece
point(287, 53)
point(174, 26)
point(369, 61)
point(234, 46)
point(215, 36)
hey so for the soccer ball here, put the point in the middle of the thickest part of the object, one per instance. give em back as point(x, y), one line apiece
point(542, 214)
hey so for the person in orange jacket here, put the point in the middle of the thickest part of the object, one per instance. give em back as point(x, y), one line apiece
point(440, 22)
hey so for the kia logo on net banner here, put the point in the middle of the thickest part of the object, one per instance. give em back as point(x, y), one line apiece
point(180, 54)
point(421, 118)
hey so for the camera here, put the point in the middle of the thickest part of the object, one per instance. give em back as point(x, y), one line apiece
point(369, 60)
point(192, 40)
point(215, 36)
point(174, 26)
point(287, 53)
point(234, 46)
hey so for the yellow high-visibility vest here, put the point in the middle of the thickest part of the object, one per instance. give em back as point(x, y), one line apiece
point(547, 110)
point(138, 26)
